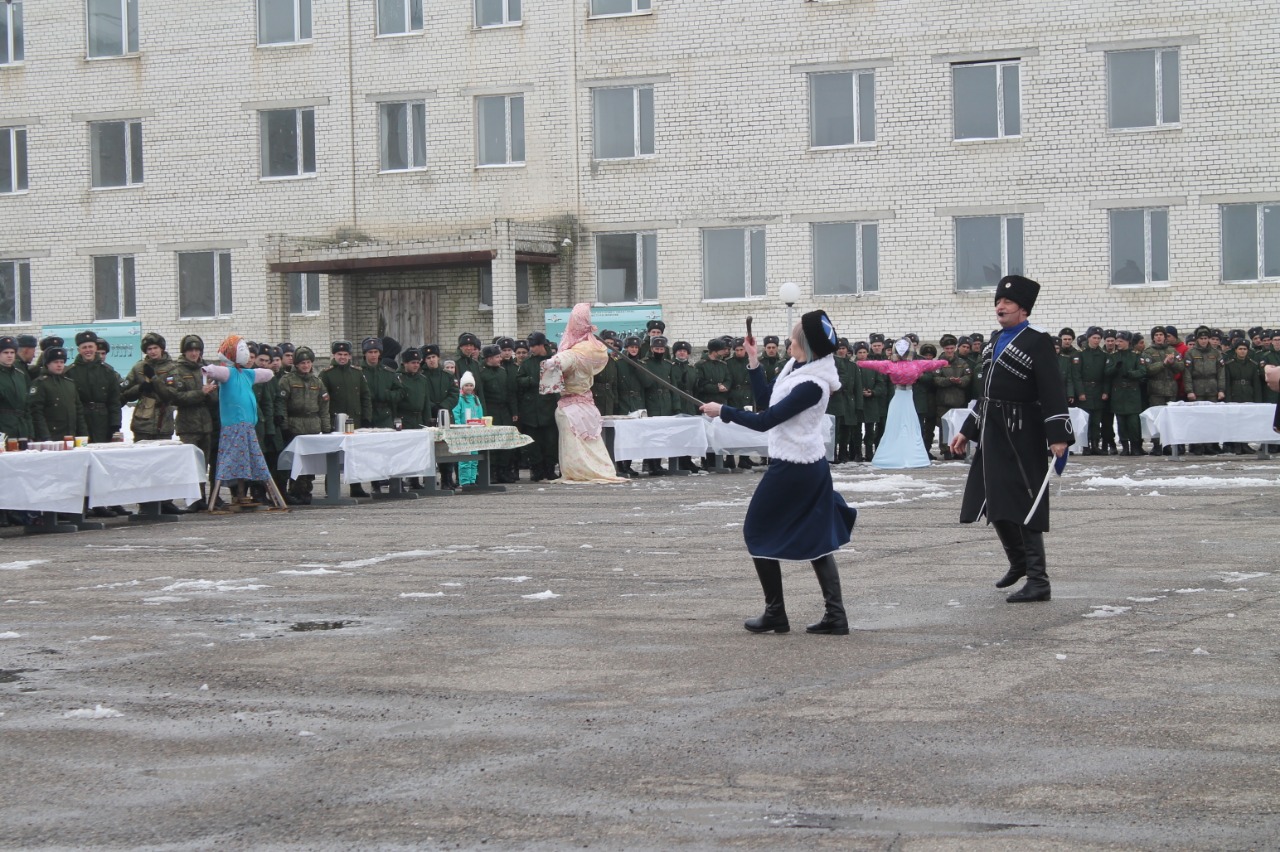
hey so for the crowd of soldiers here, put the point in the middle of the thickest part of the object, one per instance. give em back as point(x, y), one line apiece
point(1114, 375)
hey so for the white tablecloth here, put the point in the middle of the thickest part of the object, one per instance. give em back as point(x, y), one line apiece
point(735, 439)
point(139, 473)
point(658, 437)
point(366, 456)
point(1210, 422)
point(44, 482)
point(954, 419)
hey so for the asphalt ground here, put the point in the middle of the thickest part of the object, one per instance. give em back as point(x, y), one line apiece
point(378, 677)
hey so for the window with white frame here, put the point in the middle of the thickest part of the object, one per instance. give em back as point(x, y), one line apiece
point(846, 258)
point(622, 119)
point(733, 263)
point(986, 99)
point(13, 159)
point(113, 27)
point(485, 280)
point(399, 17)
point(204, 284)
point(842, 109)
point(500, 130)
point(1142, 88)
point(1139, 246)
point(288, 142)
point(284, 21)
point(605, 8)
point(1250, 242)
point(304, 293)
point(15, 292)
point(626, 268)
point(115, 149)
point(987, 249)
point(114, 294)
point(497, 13)
point(404, 135)
point(11, 46)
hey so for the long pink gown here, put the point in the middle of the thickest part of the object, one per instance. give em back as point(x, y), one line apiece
point(902, 445)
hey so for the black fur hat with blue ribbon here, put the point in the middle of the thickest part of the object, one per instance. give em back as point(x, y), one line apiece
point(819, 333)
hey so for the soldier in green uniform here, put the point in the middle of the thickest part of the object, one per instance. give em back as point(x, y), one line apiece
point(1270, 358)
point(348, 392)
point(287, 352)
point(712, 382)
point(1094, 390)
point(771, 361)
point(99, 387)
point(15, 392)
point(467, 360)
point(860, 349)
point(875, 393)
point(924, 393)
point(633, 379)
point(494, 385)
point(604, 390)
point(1205, 377)
point(840, 403)
point(740, 393)
point(195, 399)
point(684, 375)
point(537, 412)
point(304, 402)
point(653, 328)
point(383, 385)
point(659, 400)
point(1126, 394)
point(1163, 365)
point(1067, 363)
point(145, 385)
point(951, 382)
point(413, 406)
point(56, 411)
point(443, 386)
point(27, 355)
point(1243, 384)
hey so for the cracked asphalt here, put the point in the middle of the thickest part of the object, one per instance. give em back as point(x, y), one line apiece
point(396, 676)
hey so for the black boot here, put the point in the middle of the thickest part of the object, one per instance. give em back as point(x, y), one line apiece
point(1037, 586)
point(357, 490)
point(834, 621)
point(774, 616)
point(1011, 539)
point(1156, 449)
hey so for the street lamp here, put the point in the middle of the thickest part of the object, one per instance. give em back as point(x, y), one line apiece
point(789, 292)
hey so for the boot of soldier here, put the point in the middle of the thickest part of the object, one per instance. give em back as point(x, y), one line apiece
point(357, 490)
point(834, 621)
point(1011, 539)
point(1037, 585)
point(1111, 448)
point(774, 617)
point(868, 451)
point(1156, 449)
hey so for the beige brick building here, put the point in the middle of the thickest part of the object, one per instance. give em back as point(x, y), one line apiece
point(316, 169)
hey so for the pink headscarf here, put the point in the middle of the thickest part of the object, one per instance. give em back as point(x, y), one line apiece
point(579, 327)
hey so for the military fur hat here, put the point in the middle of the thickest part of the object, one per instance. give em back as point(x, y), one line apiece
point(490, 350)
point(771, 338)
point(1157, 329)
point(949, 340)
point(1092, 330)
point(977, 337)
point(876, 337)
point(842, 343)
point(1066, 331)
point(54, 353)
point(682, 346)
point(537, 338)
point(287, 347)
point(192, 341)
point(1018, 289)
point(522, 344)
point(8, 342)
point(1110, 334)
point(655, 323)
point(152, 337)
point(86, 337)
point(27, 341)
point(1202, 331)
point(608, 334)
point(468, 339)
point(431, 349)
point(50, 342)
point(913, 337)
point(631, 341)
point(371, 343)
point(861, 345)
point(303, 353)
point(410, 355)
point(104, 345)
point(716, 344)
point(506, 343)
point(1126, 336)
point(340, 346)
point(658, 342)
point(929, 350)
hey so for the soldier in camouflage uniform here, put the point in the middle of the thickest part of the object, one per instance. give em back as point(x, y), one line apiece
point(951, 382)
point(1126, 394)
point(1163, 365)
point(146, 385)
point(195, 398)
point(304, 402)
point(1205, 378)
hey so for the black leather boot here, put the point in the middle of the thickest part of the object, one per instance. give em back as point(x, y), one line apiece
point(1037, 585)
point(774, 617)
point(1011, 539)
point(834, 621)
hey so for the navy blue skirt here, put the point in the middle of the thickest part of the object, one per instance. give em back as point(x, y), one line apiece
point(796, 513)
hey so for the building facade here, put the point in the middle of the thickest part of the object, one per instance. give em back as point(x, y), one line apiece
point(320, 169)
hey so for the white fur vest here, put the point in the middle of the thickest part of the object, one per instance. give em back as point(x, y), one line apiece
point(802, 439)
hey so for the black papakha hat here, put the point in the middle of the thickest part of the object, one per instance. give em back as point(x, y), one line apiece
point(819, 333)
point(1018, 289)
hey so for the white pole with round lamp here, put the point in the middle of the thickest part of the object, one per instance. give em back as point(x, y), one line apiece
point(789, 292)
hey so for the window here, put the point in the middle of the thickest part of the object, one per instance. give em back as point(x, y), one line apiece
point(623, 122)
point(11, 49)
point(733, 264)
point(284, 21)
point(987, 249)
point(304, 292)
point(15, 292)
point(396, 17)
point(1142, 88)
point(204, 284)
point(986, 100)
point(1250, 242)
point(846, 258)
point(842, 109)
point(626, 268)
point(116, 151)
point(404, 136)
point(602, 8)
point(497, 13)
point(13, 159)
point(500, 130)
point(114, 296)
point(288, 142)
point(522, 286)
point(113, 27)
point(1139, 246)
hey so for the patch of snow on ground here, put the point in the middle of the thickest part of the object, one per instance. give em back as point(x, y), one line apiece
point(1186, 591)
point(1143, 600)
point(1106, 611)
point(98, 712)
point(541, 596)
point(1241, 576)
point(1184, 482)
point(885, 483)
point(1200, 652)
point(1059, 656)
point(313, 572)
point(424, 595)
point(21, 565)
point(10, 635)
point(165, 599)
point(520, 579)
point(215, 586)
point(717, 504)
point(374, 560)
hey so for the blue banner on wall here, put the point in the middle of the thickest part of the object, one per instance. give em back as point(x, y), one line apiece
point(626, 320)
point(125, 339)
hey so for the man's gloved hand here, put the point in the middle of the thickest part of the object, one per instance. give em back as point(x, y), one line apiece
point(279, 421)
point(148, 371)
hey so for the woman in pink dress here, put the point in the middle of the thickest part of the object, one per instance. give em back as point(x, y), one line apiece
point(902, 446)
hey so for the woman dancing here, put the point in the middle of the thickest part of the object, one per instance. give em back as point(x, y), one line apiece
point(795, 513)
point(902, 445)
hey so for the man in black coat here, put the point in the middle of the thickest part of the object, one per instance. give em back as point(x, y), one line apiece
point(1021, 408)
